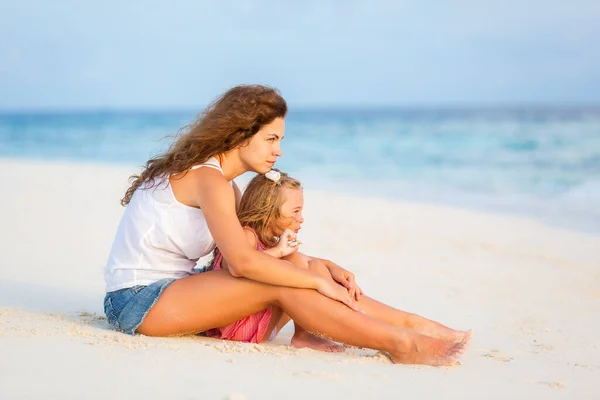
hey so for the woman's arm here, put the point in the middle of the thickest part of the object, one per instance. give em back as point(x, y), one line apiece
point(237, 193)
point(343, 277)
point(216, 198)
point(251, 236)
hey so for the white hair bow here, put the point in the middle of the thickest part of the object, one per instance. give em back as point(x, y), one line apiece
point(273, 175)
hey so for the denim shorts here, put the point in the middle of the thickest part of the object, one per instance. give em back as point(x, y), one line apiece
point(125, 309)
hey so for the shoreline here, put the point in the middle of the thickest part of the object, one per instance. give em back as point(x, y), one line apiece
point(543, 212)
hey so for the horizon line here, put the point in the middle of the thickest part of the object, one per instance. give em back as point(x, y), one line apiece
point(496, 106)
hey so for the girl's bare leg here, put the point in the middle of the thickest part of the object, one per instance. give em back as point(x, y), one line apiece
point(302, 338)
point(211, 299)
point(278, 320)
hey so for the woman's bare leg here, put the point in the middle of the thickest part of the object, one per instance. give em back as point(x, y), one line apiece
point(399, 318)
point(371, 307)
point(407, 320)
point(211, 299)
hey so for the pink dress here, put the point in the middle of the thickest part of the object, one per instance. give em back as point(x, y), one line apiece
point(250, 329)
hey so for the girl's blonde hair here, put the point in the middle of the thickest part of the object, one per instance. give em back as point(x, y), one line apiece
point(261, 204)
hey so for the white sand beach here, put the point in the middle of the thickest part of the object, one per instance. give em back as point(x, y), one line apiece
point(530, 292)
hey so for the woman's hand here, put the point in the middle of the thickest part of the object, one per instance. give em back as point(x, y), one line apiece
point(331, 289)
point(346, 279)
point(288, 243)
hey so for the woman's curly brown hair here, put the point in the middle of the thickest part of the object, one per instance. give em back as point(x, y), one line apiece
point(228, 122)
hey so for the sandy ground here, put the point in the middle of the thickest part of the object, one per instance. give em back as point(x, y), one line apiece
point(530, 292)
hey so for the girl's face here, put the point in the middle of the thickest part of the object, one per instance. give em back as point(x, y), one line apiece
point(291, 211)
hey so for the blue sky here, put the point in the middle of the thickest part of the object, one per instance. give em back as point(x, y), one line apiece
point(181, 54)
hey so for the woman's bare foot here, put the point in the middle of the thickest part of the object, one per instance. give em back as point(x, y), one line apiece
point(441, 332)
point(466, 339)
point(303, 339)
point(421, 349)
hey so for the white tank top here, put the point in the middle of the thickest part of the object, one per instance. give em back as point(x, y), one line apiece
point(158, 237)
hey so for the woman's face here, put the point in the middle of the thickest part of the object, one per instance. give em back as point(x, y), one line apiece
point(264, 147)
point(291, 211)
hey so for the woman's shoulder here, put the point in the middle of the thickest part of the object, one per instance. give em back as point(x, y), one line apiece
point(202, 184)
point(211, 163)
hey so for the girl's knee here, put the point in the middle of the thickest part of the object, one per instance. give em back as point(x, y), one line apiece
point(302, 261)
point(318, 267)
point(298, 259)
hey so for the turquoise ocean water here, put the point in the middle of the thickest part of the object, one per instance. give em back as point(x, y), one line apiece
point(543, 163)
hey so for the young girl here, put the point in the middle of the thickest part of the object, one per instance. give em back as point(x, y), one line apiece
point(271, 213)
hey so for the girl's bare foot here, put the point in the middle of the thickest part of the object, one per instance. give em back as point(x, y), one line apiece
point(302, 339)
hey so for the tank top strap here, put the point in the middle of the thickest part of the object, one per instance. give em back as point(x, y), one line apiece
point(212, 162)
point(259, 245)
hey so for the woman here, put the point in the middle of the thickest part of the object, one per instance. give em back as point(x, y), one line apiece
point(185, 200)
